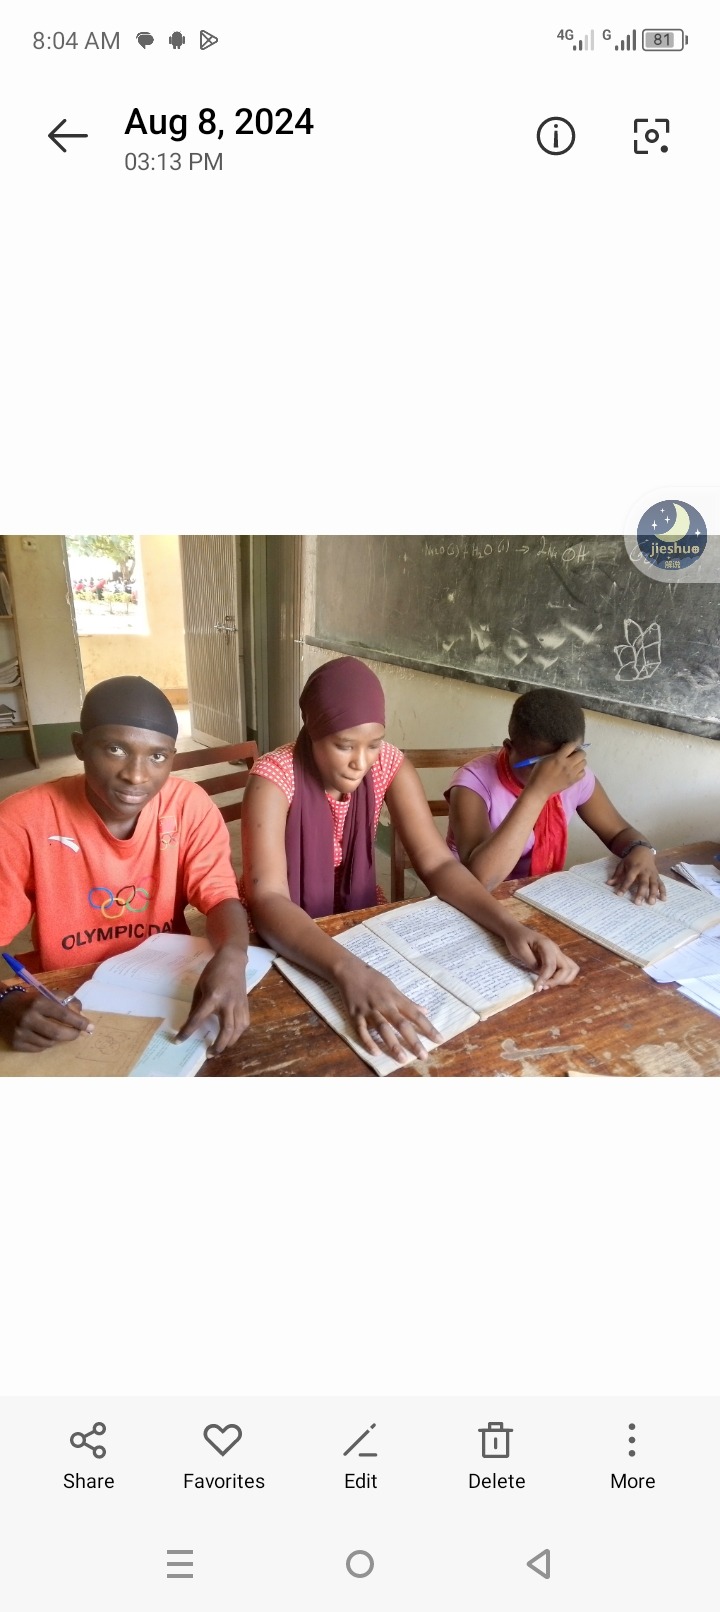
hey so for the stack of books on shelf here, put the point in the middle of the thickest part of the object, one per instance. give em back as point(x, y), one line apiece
point(7, 716)
point(9, 673)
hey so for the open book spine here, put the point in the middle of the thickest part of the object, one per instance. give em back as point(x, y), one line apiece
point(655, 955)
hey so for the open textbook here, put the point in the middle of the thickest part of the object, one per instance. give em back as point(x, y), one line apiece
point(644, 934)
point(157, 980)
point(454, 970)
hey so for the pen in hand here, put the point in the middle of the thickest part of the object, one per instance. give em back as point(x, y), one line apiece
point(532, 760)
point(24, 974)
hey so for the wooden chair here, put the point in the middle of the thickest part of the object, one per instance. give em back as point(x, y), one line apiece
point(222, 782)
point(446, 759)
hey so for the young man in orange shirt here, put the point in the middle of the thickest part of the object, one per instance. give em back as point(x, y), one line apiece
point(101, 861)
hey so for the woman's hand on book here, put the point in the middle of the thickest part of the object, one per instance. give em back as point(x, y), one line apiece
point(32, 1023)
point(221, 992)
point(637, 875)
point(383, 1019)
point(536, 952)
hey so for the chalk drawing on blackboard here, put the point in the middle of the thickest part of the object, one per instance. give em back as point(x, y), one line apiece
point(640, 655)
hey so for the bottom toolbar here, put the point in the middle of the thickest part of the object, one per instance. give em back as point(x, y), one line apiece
point(268, 1504)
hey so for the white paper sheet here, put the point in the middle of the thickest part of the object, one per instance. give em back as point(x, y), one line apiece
point(703, 875)
point(706, 993)
point(444, 1011)
point(461, 956)
point(698, 960)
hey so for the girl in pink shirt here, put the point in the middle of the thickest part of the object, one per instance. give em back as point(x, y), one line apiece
point(509, 820)
point(310, 815)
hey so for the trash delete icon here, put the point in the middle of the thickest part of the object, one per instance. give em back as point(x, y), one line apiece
point(495, 1441)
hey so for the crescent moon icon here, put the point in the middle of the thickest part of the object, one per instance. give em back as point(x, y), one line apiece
point(680, 526)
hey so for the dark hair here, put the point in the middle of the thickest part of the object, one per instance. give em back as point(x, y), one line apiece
point(547, 714)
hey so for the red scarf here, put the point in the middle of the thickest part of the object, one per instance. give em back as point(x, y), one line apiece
point(551, 829)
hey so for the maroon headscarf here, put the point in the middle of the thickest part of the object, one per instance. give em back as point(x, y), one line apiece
point(341, 694)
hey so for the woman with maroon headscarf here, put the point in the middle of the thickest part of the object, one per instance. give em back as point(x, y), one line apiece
point(310, 816)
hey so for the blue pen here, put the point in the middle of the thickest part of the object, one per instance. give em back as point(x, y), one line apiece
point(24, 974)
point(532, 759)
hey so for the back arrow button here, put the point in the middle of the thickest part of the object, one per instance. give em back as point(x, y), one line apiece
point(540, 1564)
point(53, 135)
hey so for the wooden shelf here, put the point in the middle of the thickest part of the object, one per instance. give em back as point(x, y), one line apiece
point(25, 726)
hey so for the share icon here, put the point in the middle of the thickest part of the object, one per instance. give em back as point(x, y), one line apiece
point(206, 39)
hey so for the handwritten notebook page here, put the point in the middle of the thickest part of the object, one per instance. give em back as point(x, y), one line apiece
point(699, 909)
point(448, 1015)
point(455, 952)
point(115, 1046)
point(641, 934)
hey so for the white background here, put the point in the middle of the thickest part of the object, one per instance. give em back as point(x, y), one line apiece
point(411, 321)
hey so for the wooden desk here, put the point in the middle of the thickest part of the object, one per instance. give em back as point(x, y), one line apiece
point(613, 1021)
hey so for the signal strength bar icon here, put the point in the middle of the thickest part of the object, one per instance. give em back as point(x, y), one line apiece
point(625, 43)
point(589, 43)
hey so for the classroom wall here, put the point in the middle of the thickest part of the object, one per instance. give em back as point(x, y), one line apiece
point(158, 654)
point(666, 783)
point(45, 623)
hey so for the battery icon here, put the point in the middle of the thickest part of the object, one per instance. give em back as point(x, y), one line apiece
point(663, 39)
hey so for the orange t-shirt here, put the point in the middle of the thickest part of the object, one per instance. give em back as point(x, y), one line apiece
point(91, 895)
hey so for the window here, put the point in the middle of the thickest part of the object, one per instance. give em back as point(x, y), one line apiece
point(107, 585)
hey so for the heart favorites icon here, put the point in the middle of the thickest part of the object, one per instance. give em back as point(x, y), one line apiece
point(222, 1438)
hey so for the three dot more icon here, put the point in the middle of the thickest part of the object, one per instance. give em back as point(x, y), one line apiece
point(631, 1439)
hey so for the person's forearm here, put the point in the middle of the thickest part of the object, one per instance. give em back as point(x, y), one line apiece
point(226, 925)
point(495, 859)
point(459, 887)
point(625, 837)
point(296, 936)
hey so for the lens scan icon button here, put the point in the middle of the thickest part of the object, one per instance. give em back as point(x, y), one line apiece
point(647, 132)
point(556, 136)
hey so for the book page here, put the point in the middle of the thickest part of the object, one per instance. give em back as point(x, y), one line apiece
point(171, 965)
point(114, 1048)
point(642, 934)
point(703, 875)
point(456, 952)
point(697, 908)
point(444, 1011)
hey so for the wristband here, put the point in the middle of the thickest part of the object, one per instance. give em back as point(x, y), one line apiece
point(633, 847)
point(9, 991)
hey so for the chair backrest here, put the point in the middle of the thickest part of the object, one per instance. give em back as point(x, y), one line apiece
point(427, 759)
point(234, 762)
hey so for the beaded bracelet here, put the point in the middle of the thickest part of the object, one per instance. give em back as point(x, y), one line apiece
point(9, 991)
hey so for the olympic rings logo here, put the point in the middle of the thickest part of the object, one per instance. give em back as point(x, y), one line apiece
point(114, 907)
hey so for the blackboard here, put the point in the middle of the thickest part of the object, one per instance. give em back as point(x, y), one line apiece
point(518, 612)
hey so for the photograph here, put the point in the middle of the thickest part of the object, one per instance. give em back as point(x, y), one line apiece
point(347, 806)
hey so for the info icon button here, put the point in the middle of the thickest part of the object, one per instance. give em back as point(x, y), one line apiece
point(556, 136)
